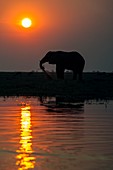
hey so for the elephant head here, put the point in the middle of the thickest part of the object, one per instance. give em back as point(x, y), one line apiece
point(50, 57)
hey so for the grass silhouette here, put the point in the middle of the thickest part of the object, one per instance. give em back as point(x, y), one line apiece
point(95, 85)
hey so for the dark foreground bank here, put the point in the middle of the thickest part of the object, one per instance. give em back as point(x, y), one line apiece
point(95, 85)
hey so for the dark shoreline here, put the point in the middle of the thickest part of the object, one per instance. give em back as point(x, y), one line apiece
point(95, 85)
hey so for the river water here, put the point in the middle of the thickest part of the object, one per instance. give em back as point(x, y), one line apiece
point(41, 134)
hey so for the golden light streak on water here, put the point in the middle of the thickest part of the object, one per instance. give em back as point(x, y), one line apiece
point(24, 158)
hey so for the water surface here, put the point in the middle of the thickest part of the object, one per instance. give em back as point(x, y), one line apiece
point(40, 134)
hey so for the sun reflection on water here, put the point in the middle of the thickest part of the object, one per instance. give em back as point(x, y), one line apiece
point(24, 158)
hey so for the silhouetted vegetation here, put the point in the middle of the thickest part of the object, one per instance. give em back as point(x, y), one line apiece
point(95, 85)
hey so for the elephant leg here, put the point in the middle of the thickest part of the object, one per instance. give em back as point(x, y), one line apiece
point(80, 76)
point(74, 75)
point(59, 72)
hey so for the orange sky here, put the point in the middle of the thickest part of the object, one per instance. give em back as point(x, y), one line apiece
point(82, 25)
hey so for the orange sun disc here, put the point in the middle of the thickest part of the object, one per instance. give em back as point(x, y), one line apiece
point(26, 22)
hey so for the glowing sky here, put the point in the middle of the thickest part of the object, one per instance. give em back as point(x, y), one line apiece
point(82, 25)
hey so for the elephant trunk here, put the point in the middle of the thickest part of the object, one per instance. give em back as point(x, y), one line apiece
point(44, 60)
point(41, 65)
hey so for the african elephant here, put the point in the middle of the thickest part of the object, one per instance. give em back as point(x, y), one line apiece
point(65, 60)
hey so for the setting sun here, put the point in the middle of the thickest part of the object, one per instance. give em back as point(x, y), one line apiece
point(26, 22)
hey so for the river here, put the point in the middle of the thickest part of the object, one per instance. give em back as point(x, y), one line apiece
point(44, 134)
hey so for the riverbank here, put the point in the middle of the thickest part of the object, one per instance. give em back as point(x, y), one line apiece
point(95, 85)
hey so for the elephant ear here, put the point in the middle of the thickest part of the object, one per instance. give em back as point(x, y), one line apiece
point(53, 57)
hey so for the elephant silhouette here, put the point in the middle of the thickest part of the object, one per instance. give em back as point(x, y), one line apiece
point(65, 60)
